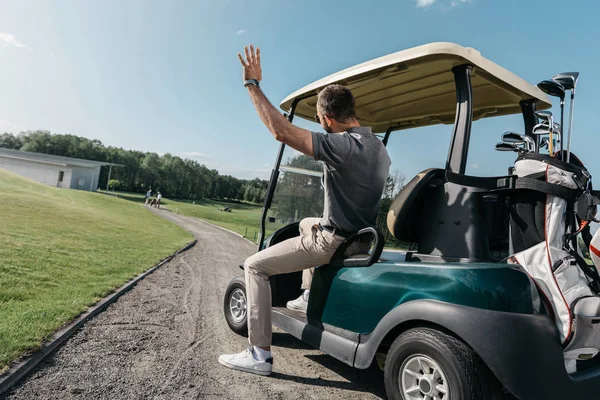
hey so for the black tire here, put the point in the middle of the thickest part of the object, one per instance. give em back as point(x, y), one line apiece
point(467, 377)
point(239, 325)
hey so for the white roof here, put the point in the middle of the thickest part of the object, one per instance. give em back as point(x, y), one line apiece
point(51, 159)
point(415, 87)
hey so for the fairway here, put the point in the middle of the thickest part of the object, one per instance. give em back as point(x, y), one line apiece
point(63, 250)
point(244, 218)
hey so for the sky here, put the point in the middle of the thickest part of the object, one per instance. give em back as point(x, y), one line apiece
point(164, 76)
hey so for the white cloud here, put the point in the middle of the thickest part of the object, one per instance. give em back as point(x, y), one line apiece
point(425, 3)
point(8, 40)
point(211, 162)
point(444, 5)
point(455, 3)
point(7, 126)
point(243, 172)
point(475, 166)
point(196, 154)
point(241, 32)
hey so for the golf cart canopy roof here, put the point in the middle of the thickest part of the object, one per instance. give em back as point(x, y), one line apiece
point(416, 87)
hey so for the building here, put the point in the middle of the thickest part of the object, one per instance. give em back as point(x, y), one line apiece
point(65, 172)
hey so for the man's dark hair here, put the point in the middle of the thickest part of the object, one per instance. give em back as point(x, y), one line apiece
point(337, 102)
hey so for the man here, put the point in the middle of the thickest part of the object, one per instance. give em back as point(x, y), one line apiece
point(148, 195)
point(355, 171)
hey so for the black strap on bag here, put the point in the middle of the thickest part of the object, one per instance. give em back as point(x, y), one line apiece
point(549, 188)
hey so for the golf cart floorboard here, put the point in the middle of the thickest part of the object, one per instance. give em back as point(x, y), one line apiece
point(297, 315)
point(336, 342)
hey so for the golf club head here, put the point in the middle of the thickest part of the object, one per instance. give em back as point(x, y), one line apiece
point(567, 79)
point(541, 129)
point(543, 115)
point(506, 147)
point(552, 88)
point(556, 128)
point(530, 144)
point(512, 137)
point(544, 143)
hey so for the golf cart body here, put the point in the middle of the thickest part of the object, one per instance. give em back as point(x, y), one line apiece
point(456, 280)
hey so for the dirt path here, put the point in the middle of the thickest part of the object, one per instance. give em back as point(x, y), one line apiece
point(162, 340)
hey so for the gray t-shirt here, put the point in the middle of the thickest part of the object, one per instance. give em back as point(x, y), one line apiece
point(356, 169)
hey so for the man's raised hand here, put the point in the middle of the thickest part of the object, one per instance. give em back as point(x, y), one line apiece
point(251, 63)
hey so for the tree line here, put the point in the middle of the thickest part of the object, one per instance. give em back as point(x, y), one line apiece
point(173, 176)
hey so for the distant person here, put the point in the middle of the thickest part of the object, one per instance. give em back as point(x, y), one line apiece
point(148, 195)
point(158, 197)
point(355, 171)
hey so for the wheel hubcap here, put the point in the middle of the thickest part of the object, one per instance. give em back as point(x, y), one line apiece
point(421, 378)
point(237, 305)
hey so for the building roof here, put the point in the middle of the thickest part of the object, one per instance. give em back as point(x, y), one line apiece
point(415, 87)
point(51, 159)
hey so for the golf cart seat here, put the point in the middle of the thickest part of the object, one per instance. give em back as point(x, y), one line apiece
point(403, 218)
point(452, 217)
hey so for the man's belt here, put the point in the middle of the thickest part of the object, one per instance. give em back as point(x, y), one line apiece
point(335, 231)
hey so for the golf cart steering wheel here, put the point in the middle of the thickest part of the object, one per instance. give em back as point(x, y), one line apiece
point(338, 257)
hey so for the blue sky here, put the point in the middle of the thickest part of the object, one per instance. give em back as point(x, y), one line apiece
point(163, 76)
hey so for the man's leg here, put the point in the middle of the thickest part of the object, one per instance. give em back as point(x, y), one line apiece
point(306, 226)
point(307, 277)
point(291, 255)
point(301, 303)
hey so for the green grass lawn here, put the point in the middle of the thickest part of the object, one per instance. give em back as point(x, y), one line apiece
point(63, 250)
point(244, 218)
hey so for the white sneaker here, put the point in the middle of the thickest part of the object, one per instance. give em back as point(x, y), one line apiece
point(246, 362)
point(300, 304)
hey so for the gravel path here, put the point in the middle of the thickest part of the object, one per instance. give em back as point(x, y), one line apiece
point(162, 340)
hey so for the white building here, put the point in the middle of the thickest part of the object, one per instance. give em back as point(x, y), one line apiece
point(65, 172)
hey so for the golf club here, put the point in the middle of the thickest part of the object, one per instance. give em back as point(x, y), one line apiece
point(548, 127)
point(543, 114)
point(555, 89)
point(543, 128)
point(516, 138)
point(569, 81)
point(544, 143)
point(510, 147)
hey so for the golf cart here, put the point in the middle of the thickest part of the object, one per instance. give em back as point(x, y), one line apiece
point(459, 317)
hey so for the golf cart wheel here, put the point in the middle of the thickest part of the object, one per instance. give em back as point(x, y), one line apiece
point(425, 364)
point(234, 306)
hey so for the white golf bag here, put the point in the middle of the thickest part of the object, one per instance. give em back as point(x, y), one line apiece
point(552, 206)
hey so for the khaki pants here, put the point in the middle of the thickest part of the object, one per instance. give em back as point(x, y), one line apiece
point(312, 248)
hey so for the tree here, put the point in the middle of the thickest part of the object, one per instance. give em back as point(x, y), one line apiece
point(177, 177)
point(114, 184)
point(298, 195)
point(394, 184)
point(9, 141)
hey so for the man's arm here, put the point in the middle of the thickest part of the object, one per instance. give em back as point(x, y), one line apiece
point(283, 131)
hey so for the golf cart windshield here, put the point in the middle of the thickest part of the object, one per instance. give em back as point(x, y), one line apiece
point(299, 192)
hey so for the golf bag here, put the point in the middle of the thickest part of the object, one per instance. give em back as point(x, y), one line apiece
point(551, 207)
